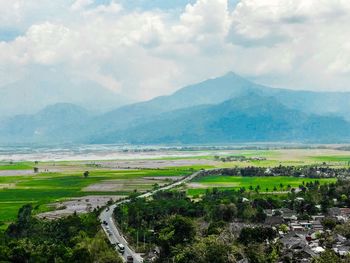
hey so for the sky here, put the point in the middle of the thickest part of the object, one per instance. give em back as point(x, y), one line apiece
point(145, 48)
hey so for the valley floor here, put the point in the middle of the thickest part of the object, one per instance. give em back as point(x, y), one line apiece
point(61, 184)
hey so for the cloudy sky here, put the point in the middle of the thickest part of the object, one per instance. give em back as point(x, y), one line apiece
point(144, 48)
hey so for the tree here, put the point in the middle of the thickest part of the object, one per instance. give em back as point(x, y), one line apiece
point(24, 221)
point(343, 229)
point(224, 212)
point(82, 255)
point(250, 235)
point(284, 228)
point(86, 174)
point(205, 250)
point(255, 253)
point(260, 215)
point(176, 230)
point(248, 212)
point(329, 223)
point(215, 228)
point(327, 257)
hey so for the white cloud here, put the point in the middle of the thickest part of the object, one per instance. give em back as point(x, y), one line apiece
point(205, 17)
point(289, 43)
point(81, 4)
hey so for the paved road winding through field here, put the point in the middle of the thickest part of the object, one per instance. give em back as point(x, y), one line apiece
point(113, 233)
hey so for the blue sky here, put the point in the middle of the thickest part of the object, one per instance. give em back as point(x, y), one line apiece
point(9, 34)
point(145, 48)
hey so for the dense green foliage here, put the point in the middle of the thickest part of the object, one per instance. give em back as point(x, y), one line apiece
point(71, 239)
point(308, 171)
point(265, 184)
point(200, 230)
point(266, 179)
point(171, 221)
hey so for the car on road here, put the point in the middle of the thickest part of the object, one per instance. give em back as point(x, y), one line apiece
point(105, 222)
point(129, 259)
point(121, 248)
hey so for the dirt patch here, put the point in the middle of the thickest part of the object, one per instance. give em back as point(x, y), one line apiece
point(27, 172)
point(305, 154)
point(161, 178)
point(153, 164)
point(16, 172)
point(79, 205)
point(140, 184)
point(197, 186)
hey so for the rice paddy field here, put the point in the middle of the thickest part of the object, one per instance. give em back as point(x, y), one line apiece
point(268, 184)
point(44, 188)
point(62, 179)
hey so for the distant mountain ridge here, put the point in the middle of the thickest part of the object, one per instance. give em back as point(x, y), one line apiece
point(54, 122)
point(250, 118)
point(225, 109)
point(31, 96)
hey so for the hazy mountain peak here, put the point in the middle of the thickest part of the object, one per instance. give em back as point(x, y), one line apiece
point(51, 87)
point(224, 109)
point(63, 107)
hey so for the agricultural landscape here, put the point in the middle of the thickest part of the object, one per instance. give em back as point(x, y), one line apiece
point(229, 190)
point(174, 131)
point(60, 181)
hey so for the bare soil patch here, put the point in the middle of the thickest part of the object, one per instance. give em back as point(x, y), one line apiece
point(16, 172)
point(153, 164)
point(79, 205)
point(140, 184)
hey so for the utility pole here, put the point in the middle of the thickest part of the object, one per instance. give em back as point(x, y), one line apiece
point(137, 238)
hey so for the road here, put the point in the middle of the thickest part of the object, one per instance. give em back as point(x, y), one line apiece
point(112, 232)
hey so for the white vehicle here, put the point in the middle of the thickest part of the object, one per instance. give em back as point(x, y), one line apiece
point(120, 247)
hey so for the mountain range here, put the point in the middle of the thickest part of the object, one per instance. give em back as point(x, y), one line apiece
point(226, 109)
point(29, 95)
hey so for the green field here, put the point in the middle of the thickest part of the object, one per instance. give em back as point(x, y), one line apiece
point(290, 157)
point(45, 188)
point(267, 184)
point(41, 189)
point(16, 166)
point(339, 158)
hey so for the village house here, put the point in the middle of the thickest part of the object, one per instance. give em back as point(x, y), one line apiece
point(340, 214)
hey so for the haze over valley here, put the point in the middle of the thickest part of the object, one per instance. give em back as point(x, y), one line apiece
point(221, 110)
point(183, 131)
